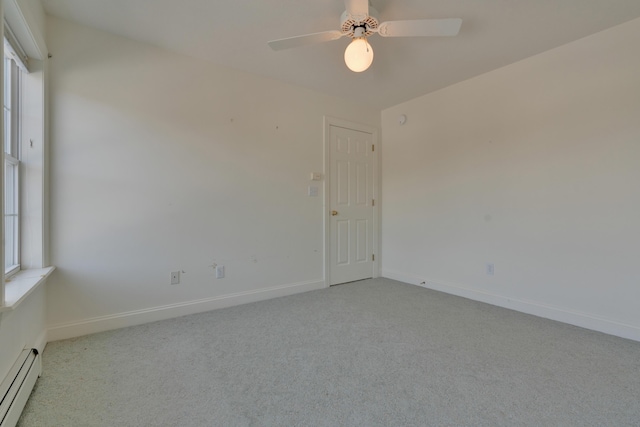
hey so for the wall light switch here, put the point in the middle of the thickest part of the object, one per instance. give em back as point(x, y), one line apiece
point(220, 272)
point(313, 191)
point(489, 269)
point(316, 176)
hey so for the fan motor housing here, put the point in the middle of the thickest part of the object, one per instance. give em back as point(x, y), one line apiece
point(369, 22)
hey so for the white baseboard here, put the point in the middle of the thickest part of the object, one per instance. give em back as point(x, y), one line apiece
point(572, 317)
point(138, 317)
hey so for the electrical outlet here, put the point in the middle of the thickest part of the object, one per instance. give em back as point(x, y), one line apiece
point(489, 269)
point(175, 277)
point(220, 272)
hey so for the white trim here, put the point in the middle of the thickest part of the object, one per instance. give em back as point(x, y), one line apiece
point(377, 249)
point(560, 314)
point(138, 317)
point(25, 29)
point(14, 49)
point(19, 286)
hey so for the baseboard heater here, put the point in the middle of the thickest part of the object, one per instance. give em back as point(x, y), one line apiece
point(17, 386)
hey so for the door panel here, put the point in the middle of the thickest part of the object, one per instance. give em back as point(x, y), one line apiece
point(362, 185)
point(342, 237)
point(343, 183)
point(362, 241)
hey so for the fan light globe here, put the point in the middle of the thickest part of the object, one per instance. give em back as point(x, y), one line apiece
point(358, 55)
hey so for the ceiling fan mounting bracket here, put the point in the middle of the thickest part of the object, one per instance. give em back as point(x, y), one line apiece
point(369, 22)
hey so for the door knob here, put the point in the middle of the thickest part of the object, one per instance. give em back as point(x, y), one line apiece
point(334, 213)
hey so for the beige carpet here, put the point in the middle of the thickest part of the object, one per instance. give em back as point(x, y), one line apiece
point(371, 353)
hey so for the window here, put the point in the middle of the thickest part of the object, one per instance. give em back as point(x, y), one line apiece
point(11, 166)
point(23, 181)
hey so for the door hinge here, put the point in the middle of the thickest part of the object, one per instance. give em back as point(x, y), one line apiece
point(373, 257)
point(373, 147)
point(373, 202)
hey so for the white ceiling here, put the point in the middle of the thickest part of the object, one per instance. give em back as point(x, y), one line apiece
point(234, 33)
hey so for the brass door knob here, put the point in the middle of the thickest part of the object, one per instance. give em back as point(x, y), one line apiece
point(334, 213)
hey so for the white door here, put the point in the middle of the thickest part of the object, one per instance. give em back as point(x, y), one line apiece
point(351, 203)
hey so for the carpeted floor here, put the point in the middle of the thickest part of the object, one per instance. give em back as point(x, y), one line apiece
point(370, 353)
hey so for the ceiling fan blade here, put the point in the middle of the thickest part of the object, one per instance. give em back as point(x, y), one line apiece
point(420, 28)
point(358, 9)
point(305, 40)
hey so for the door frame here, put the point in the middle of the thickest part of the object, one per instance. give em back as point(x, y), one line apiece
point(332, 121)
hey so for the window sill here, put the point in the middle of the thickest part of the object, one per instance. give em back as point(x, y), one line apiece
point(21, 284)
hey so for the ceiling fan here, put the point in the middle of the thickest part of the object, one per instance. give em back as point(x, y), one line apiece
point(360, 21)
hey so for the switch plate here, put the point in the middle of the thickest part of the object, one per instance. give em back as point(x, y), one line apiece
point(489, 269)
point(175, 277)
point(316, 176)
point(313, 191)
point(220, 272)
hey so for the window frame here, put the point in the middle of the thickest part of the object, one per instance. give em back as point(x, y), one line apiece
point(12, 113)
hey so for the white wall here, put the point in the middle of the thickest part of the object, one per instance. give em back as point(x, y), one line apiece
point(162, 162)
point(534, 167)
